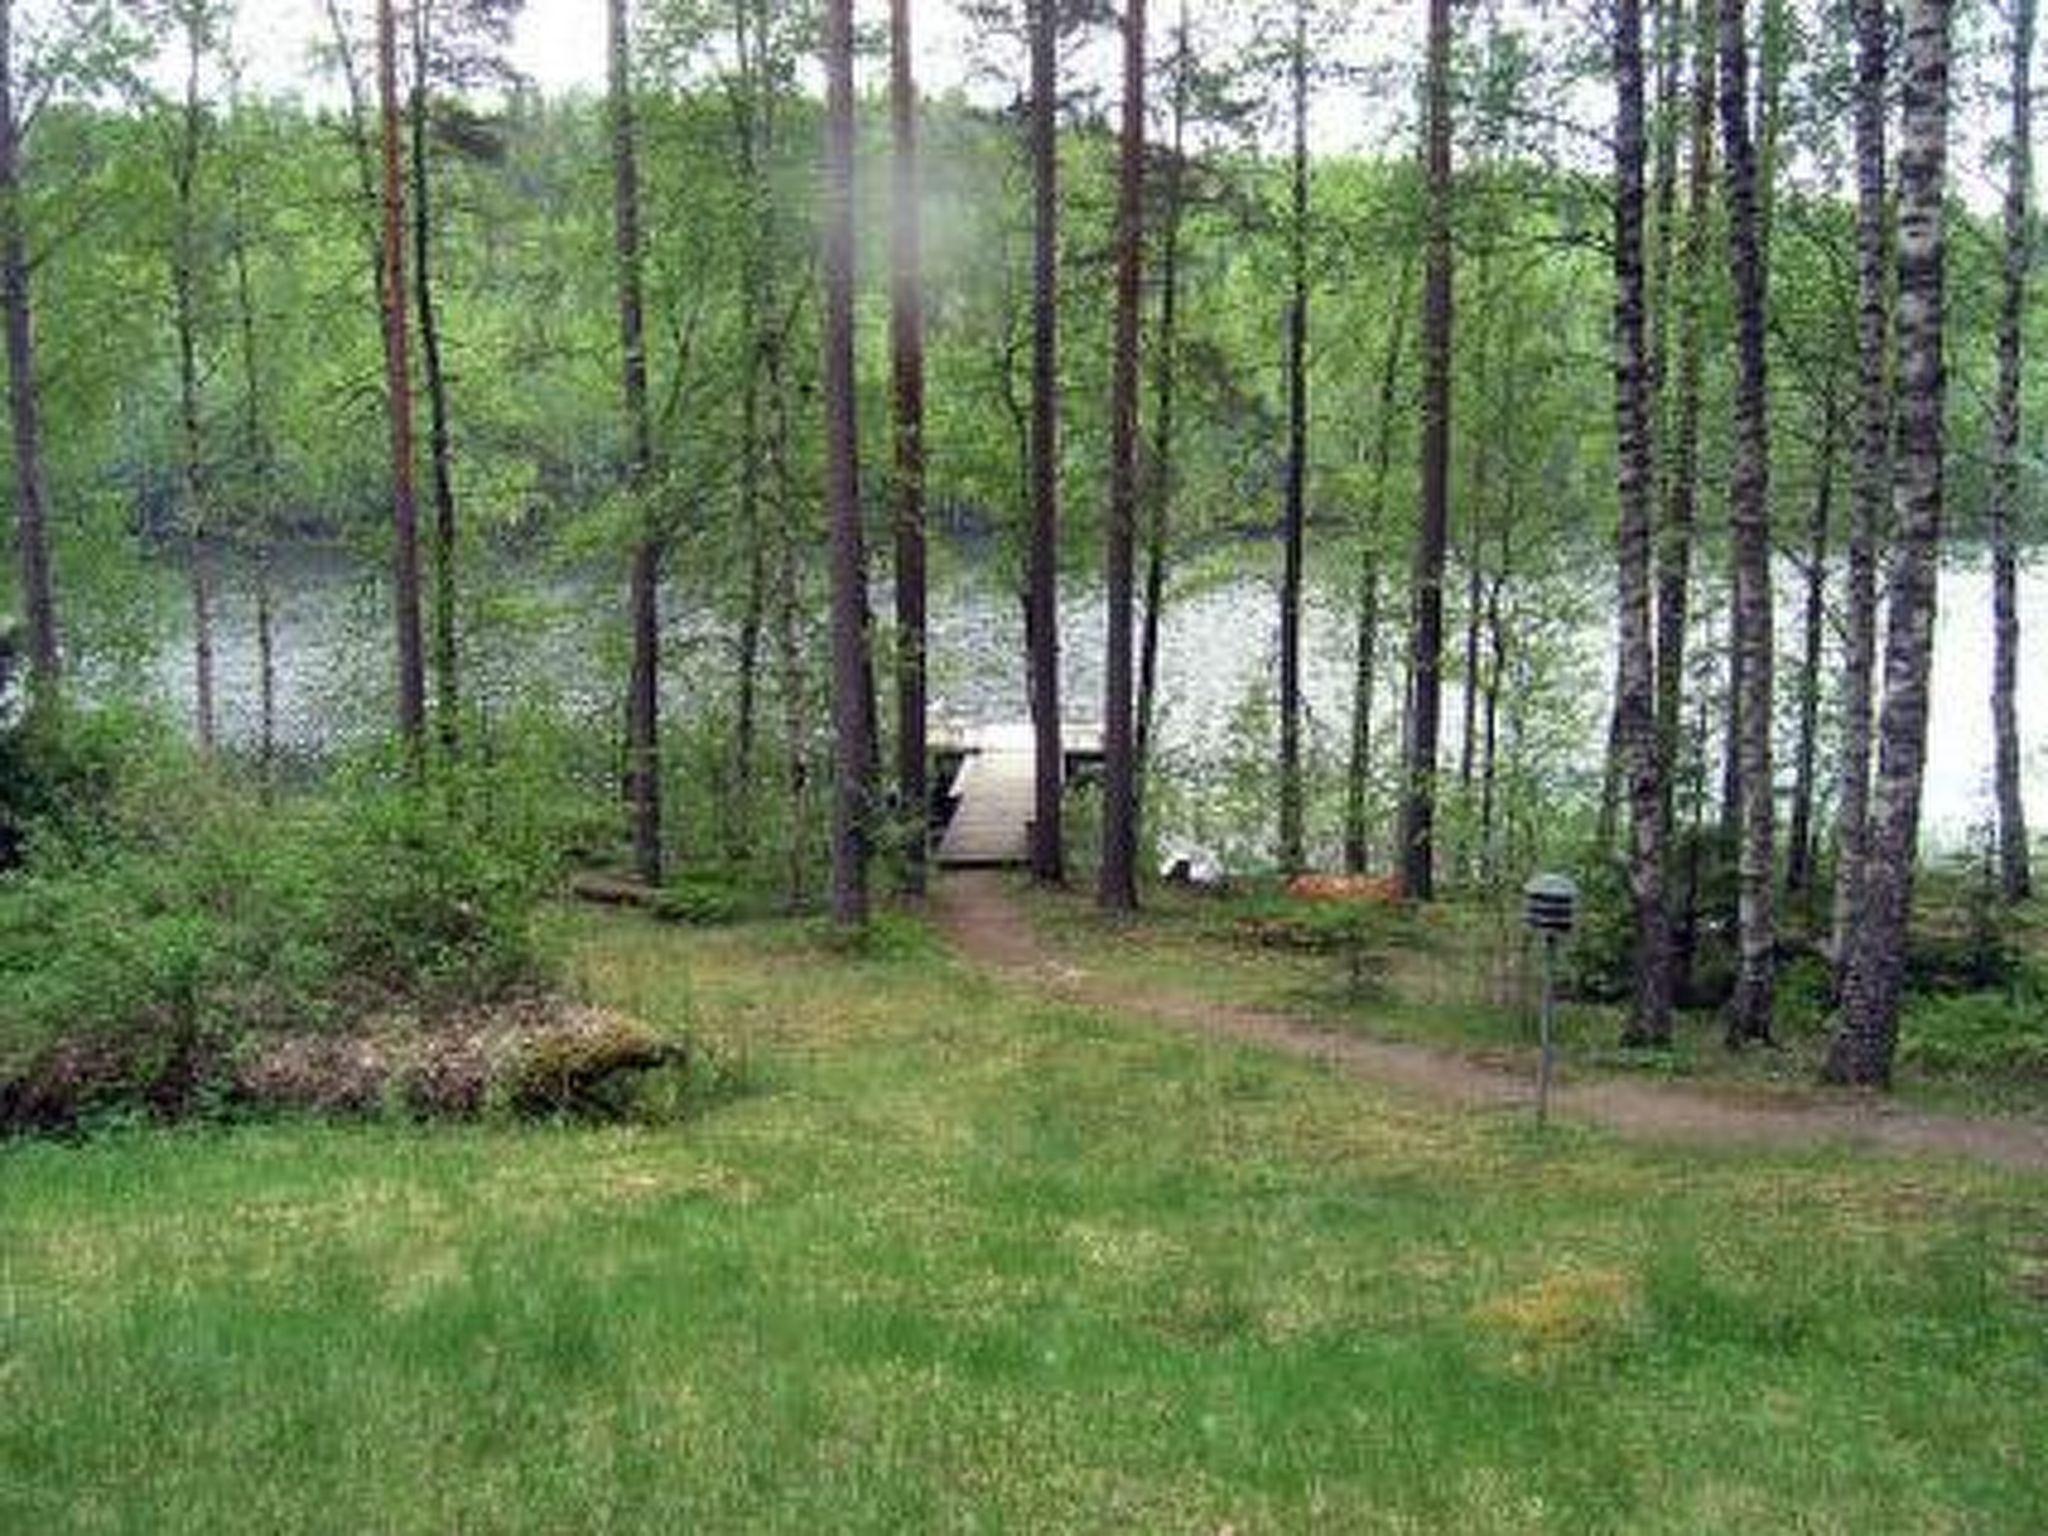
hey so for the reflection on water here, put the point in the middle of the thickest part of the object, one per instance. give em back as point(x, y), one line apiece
point(1218, 648)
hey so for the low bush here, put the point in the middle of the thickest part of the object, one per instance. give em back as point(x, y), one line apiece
point(1362, 933)
point(704, 899)
point(162, 921)
point(2002, 1034)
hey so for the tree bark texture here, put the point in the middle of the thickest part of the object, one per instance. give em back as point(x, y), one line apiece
point(1426, 625)
point(1799, 840)
point(1117, 890)
point(751, 123)
point(1874, 978)
point(440, 452)
point(412, 711)
point(1294, 512)
point(643, 691)
point(258, 513)
point(1873, 474)
point(853, 746)
point(24, 400)
point(1750, 1009)
point(1635, 707)
point(1048, 851)
point(907, 356)
point(2015, 875)
point(185, 259)
point(1159, 484)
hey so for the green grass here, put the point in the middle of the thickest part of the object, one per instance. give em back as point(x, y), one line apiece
point(1462, 977)
point(942, 1255)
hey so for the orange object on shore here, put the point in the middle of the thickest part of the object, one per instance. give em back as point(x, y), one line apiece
point(1360, 888)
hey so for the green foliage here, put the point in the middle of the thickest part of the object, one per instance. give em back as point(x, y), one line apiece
point(1362, 935)
point(703, 898)
point(889, 937)
point(162, 919)
point(1964, 937)
point(1806, 995)
point(1999, 1034)
point(1599, 962)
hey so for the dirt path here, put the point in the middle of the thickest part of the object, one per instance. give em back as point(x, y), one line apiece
point(987, 926)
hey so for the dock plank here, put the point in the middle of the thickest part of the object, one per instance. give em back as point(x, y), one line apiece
point(996, 791)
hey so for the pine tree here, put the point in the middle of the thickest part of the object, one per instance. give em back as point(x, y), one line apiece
point(1118, 888)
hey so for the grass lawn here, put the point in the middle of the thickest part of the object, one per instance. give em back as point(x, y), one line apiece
point(950, 1256)
point(1464, 977)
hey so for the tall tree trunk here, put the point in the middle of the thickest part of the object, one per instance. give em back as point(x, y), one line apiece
point(793, 688)
point(853, 746)
point(262, 532)
point(754, 606)
point(259, 514)
point(1873, 483)
point(1477, 492)
point(2015, 877)
point(1489, 761)
point(756, 303)
point(907, 331)
point(1366, 641)
point(1160, 484)
point(1118, 888)
point(1749, 1014)
point(1042, 636)
point(412, 689)
point(1294, 514)
point(1770, 57)
point(31, 492)
point(1426, 627)
point(1874, 977)
point(191, 446)
point(793, 538)
point(1674, 536)
point(1799, 853)
point(1663, 129)
point(1364, 684)
point(643, 692)
point(1635, 708)
point(439, 456)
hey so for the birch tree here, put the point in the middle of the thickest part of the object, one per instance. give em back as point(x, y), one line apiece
point(1873, 978)
point(1650, 1013)
point(1872, 487)
point(1749, 1012)
point(2015, 875)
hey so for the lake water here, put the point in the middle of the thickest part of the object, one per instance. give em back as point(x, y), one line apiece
point(1219, 650)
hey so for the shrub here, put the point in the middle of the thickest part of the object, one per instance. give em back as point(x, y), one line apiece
point(1363, 934)
point(140, 951)
point(1989, 1034)
point(703, 900)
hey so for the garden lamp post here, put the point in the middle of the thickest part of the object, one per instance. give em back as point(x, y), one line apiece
point(1550, 906)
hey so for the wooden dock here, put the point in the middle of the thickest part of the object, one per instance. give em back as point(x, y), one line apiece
point(993, 793)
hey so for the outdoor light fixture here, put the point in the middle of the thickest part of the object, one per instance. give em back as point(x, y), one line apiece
point(1550, 906)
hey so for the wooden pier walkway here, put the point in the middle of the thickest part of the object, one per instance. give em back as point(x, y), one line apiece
point(993, 792)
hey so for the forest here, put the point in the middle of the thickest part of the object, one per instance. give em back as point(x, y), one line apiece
point(1021, 763)
point(1561, 480)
